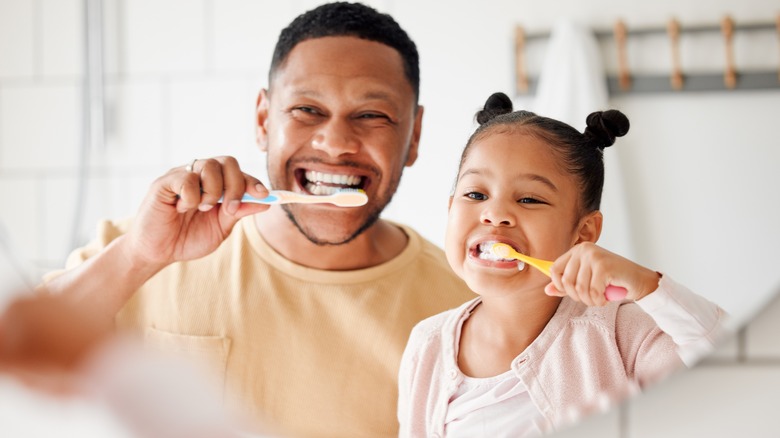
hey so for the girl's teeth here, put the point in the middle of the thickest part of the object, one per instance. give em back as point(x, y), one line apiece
point(484, 252)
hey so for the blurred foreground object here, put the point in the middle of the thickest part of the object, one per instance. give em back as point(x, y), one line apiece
point(62, 357)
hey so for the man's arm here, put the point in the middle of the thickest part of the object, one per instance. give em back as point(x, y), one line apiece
point(179, 219)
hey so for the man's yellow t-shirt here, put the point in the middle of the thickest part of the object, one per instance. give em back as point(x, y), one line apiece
point(308, 352)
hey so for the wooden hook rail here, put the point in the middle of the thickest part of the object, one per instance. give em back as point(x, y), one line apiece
point(626, 81)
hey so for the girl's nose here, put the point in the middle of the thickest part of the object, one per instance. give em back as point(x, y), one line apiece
point(335, 137)
point(497, 216)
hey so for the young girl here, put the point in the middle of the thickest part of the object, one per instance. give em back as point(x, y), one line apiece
point(533, 353)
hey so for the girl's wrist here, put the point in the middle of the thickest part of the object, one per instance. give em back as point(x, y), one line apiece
point(648, 283)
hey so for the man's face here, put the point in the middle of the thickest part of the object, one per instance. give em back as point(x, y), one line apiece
point(340, 113)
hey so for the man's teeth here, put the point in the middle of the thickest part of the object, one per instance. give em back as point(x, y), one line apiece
point(319, 183)
point(315, 189)
point(331, 178)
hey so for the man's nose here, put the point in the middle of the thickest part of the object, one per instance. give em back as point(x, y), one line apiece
point(336, 137)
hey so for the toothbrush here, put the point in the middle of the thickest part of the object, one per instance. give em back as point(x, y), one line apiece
point(341, 198)
point(613, 293)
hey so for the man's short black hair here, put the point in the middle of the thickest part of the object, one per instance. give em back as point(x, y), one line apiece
point(349, 19)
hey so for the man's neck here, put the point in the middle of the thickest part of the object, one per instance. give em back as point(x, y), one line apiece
point(378, 244)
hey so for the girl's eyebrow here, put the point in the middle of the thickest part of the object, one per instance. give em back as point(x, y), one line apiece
point(521, 176)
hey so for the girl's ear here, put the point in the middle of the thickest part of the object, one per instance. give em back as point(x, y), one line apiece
point(589, 228)
point(449, 204)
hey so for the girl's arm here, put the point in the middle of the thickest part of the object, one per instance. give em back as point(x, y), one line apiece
point(694, 323)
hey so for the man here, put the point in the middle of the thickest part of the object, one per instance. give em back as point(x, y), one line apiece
point(302, 310)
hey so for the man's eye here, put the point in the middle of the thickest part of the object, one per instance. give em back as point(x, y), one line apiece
point(476, 196)
point(305, 109)
point(372, 116)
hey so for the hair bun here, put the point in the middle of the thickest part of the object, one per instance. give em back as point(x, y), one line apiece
point(497, 104)
point(605, 126)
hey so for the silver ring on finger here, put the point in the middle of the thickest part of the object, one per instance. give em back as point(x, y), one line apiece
point(191, 167)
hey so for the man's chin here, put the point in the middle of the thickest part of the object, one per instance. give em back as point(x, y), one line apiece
point(329, 232)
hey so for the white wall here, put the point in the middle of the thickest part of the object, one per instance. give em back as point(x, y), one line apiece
point(182, 76)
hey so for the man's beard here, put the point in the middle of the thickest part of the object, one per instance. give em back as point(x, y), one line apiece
point(309, 234)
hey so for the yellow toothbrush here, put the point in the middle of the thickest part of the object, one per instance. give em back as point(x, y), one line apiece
point(613, 293)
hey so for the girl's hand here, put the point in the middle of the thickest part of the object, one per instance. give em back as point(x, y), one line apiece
point(584, 272)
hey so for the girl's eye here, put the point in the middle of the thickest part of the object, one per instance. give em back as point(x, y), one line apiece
point(476, 196)
point(529, 201)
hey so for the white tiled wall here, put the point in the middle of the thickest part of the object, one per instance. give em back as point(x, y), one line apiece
point(17, 38)
point(61, 35)
point(41, 125)
point(762, 341)
point(182, 76)
point(179, 84)
point(164, 36)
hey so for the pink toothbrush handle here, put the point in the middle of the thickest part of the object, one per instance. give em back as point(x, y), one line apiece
point(615, 293)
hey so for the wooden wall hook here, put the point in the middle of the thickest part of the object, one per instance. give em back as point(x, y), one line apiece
point(624, 76)
point(521, 75)
point(673, 30)
point(730, 73)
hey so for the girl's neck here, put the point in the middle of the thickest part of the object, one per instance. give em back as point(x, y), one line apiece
point(501, 328)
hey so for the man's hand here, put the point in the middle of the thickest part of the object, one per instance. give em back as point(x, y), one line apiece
point(180, 218)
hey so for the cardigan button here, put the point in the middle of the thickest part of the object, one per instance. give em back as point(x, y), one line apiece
point(453, 374)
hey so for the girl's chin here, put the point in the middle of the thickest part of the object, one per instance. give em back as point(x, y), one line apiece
point(497, 285)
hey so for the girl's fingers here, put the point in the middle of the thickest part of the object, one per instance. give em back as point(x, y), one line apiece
point(569, 278)
point(556, 273)
point(583, 289)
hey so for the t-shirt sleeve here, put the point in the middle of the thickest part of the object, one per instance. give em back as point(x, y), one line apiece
point(107, 231)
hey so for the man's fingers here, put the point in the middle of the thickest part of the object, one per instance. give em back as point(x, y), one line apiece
point(235, 184)
point(211, 182)
point(254, 187)
point(189, 192)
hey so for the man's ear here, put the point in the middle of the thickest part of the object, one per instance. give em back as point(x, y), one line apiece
point(589, 229)
point(261, 120)
point(414, 143)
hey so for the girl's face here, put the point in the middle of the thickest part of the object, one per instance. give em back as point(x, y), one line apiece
point(513, 189)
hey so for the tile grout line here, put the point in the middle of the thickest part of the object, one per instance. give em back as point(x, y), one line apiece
point(623, 420)
point(209, 38)
point(742, 356)
point(37, 41)
point(1, 128)
point(165, 110)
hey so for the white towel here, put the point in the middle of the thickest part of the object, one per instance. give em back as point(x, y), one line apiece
point(572, 84)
